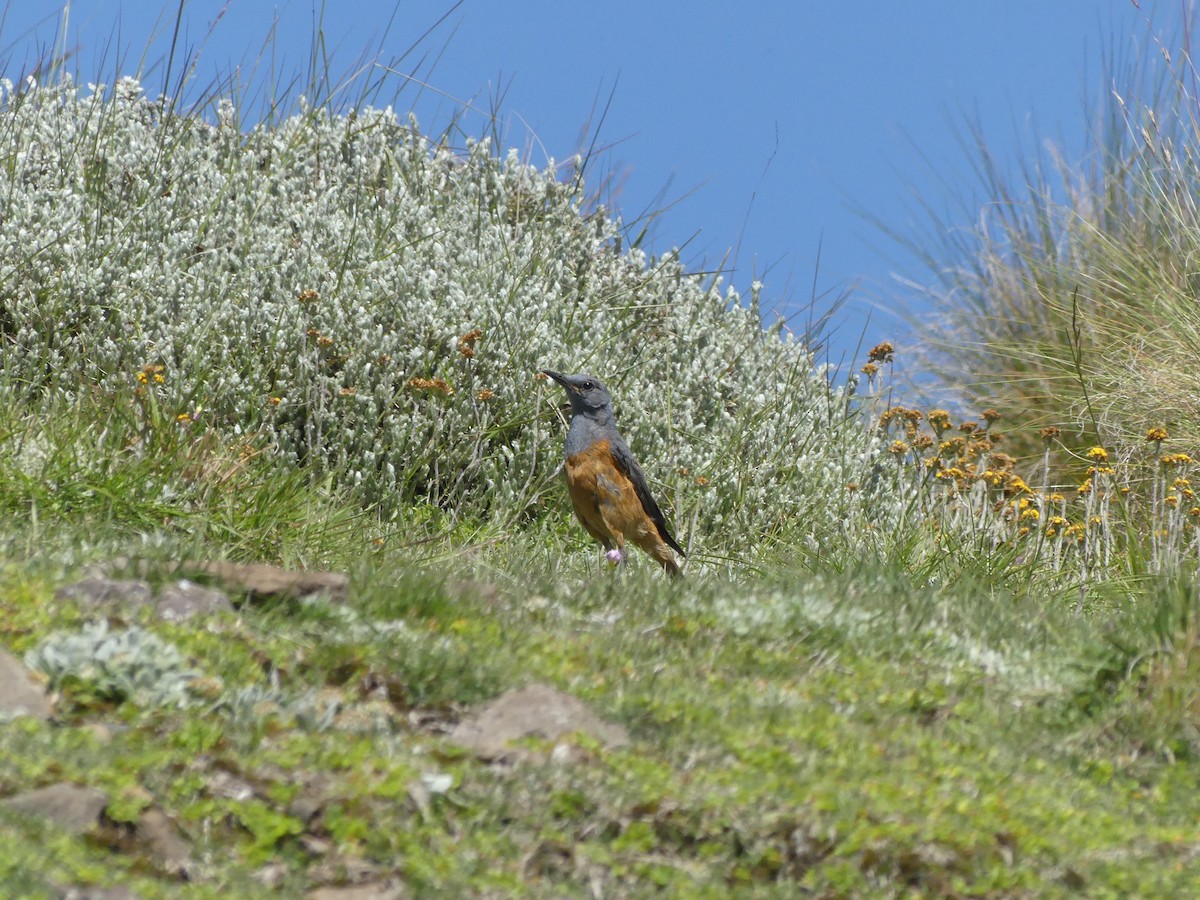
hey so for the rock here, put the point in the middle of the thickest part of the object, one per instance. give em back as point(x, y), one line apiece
point(97, 893)
point(161, 840)
point(260, 581)
point(98, 590)
point(184, 599)
point(70, 807)
point(225, 784)
point(316, 789)
point(377, 890)
point(263, 582)
point(537, 711)
point(21, 694)
point(272, 875)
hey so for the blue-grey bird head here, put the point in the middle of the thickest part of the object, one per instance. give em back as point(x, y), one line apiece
point(587, 393)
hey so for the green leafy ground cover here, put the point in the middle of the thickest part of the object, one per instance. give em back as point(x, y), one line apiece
point(860, 734)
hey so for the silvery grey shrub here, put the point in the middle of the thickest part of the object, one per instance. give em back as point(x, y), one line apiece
point(124, 664)
point(378, 304)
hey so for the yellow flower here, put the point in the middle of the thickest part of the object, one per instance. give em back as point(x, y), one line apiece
point(1057, 522)
point(1017, 485)
point(898, 448)
point(870, 369)
point(1097, 454)
point(939, 419)
point(1031, 513)
point(1156, 434)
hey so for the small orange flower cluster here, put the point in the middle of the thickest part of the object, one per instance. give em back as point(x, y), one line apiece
point(962, 458)
point(883, 352)
point(1175, 459)
point(434, 385)
point(466, 343)
point(323, 340)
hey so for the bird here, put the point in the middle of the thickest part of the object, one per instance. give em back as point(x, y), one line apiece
point(606, 484)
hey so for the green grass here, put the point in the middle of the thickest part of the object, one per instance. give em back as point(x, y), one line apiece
point(855, 733)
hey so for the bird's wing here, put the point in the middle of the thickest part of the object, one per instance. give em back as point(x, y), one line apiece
point(623, 457)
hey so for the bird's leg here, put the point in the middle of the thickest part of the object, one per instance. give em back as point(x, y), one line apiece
point(620, 556)
point(616, 555)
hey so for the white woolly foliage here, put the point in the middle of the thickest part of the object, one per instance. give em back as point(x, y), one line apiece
point(129, 664)
point(318, 279)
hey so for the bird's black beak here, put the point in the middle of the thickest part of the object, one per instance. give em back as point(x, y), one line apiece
point(557, 376)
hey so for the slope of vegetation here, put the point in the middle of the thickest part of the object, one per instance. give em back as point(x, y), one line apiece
point(903, 661)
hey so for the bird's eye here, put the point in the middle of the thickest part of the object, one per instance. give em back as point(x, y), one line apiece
point(588, 385)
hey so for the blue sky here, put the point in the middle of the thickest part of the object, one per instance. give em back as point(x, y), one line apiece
point(768, 125)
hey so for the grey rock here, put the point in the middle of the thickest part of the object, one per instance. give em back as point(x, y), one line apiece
point(184, 599)
point(258, 580)
point(97, 893)
point(537, 711)
point(263, 582)
point(20, 693)
point(377, 890)
point(161, 840)
point(98, 590)
point(70, 807)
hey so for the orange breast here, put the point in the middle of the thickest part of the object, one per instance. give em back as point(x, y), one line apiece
point(604, 498)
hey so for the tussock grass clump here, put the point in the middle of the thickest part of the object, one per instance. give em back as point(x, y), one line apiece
point(376, 302)
point(1072, 301)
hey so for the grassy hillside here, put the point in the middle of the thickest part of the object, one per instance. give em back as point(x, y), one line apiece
point(902, 660)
